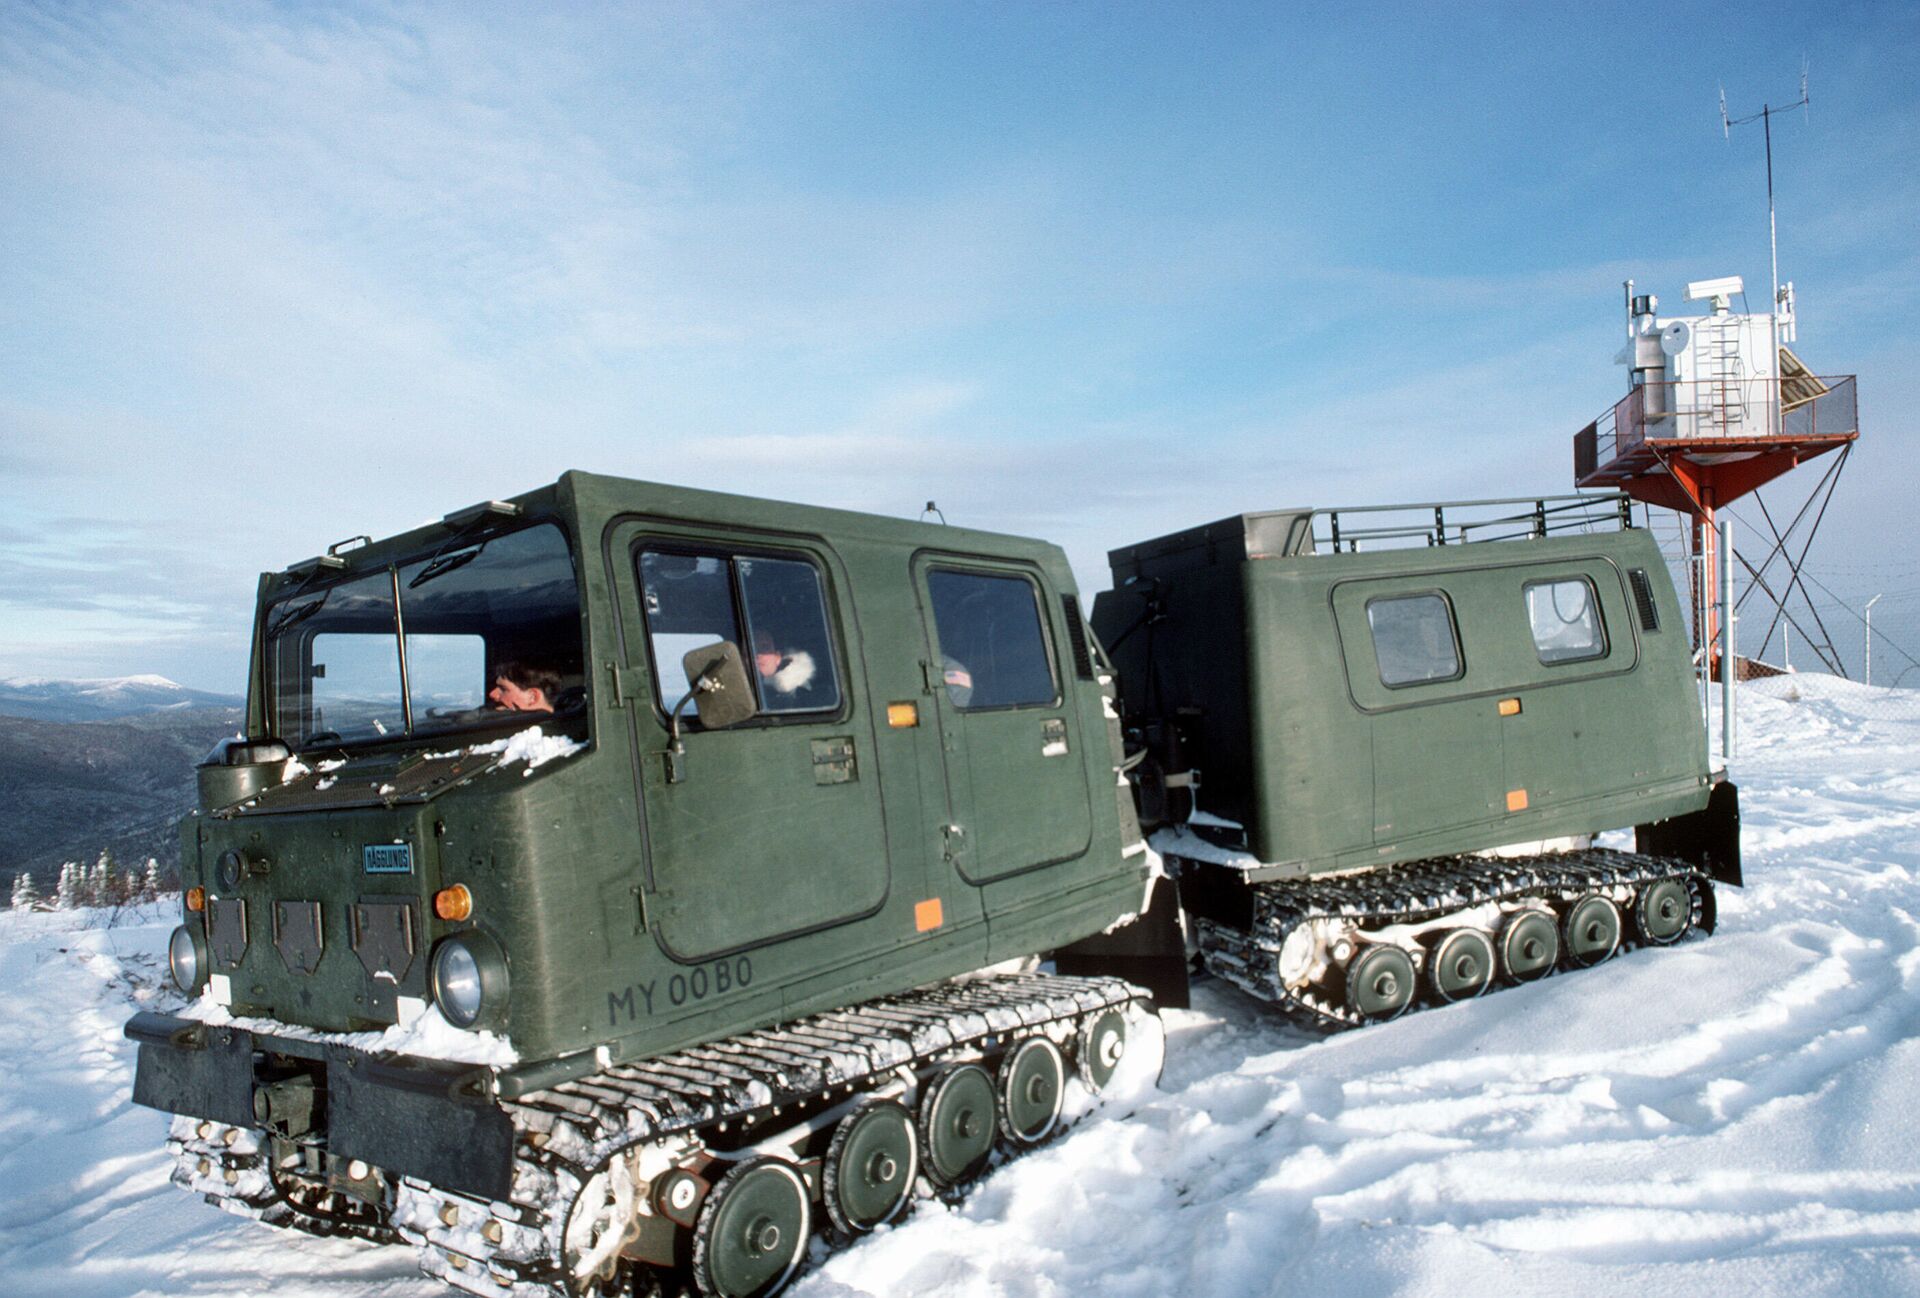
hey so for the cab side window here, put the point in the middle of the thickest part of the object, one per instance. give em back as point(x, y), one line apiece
point(1414, 640)
point(773, 609)
point(787, 627)
point(993, 650)
point(1565, 619)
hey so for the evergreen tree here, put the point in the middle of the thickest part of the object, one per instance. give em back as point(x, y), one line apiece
point(105, 882)
point(24, 893)
point(68, 896)
point(150, 884)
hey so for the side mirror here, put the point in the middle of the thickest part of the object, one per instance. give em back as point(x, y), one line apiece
point(720, 689)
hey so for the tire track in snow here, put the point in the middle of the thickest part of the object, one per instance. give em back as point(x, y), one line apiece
point(87, 1209)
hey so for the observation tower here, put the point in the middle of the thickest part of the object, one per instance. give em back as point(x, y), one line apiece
point(1718, 405)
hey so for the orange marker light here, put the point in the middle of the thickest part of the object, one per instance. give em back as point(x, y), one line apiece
point(1517, 800)
point(1509, 707)
point(926, 915)
point(454, 903)
point(196, 900)
point(903, 716)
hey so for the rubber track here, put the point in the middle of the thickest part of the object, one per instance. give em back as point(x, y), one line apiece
point(1420, 892)
point(565, 1134)
point(255, 1191)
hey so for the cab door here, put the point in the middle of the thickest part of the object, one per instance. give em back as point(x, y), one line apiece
point(1581, 732)
point(1016, 772)
point(1436, 746)
point(772, 828)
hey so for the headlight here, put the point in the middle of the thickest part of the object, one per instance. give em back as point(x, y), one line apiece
point(469, 980)
point(187, 958)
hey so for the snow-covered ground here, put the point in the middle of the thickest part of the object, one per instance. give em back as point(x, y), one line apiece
point(1736, 1115)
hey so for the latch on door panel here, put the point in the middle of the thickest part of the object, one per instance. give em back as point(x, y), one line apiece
point(954, 837)
point(833, 760)
point(1053, 737)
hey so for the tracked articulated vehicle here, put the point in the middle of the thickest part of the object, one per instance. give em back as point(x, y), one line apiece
point(727, 947)
point(1361, 705)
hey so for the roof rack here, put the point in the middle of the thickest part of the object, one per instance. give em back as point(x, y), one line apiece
point(1461, 522)
point(1293, 533)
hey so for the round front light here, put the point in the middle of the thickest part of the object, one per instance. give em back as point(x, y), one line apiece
point(469, 980)
point(187, 958)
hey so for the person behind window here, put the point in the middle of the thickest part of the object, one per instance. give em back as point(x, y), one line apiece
point(524, 687)
point(781, 673)
point(958, 679)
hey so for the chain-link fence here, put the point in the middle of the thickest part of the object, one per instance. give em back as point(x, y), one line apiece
point(1832, 680)
point(1872, 643)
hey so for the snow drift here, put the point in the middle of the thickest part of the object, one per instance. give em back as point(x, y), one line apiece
point(1732, 1115)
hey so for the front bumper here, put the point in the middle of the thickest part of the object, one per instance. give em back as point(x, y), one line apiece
point(409, 1117)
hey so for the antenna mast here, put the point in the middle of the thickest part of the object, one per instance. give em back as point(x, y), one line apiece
point(1765, 118)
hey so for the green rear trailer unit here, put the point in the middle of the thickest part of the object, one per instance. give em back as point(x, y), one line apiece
point(1338, 711)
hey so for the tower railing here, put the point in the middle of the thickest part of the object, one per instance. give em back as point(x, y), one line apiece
point(1800, 407)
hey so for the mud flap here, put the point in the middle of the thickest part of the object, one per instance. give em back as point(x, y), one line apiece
point(410, 1117)
point(190, 1068)
point(1709, 838)
point(416, 1119)
point(1148, 951)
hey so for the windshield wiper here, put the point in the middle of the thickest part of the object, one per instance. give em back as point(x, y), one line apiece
point(446, 563)
point(288, 617)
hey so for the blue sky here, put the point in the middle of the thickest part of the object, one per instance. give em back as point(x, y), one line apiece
point(275, 275)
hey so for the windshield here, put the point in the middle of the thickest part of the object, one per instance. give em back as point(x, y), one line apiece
point(472, 611)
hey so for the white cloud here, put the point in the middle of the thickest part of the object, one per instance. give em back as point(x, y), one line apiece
point(278, 275)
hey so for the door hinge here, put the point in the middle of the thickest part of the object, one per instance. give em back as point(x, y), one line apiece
point(629, 684)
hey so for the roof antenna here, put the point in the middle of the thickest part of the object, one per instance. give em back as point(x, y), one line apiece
point(1765, 118)
point(935, 510)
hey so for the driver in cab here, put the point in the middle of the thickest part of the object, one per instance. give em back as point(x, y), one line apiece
point(523, 687)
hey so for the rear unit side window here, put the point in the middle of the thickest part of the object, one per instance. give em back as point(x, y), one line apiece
point(1565, 619)
point(774, 610)
point(1414, 639)
point(992, 648)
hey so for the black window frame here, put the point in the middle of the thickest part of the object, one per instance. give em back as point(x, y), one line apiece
point(1453, 630)
point(1049, 647)
point(321, 579)
point(729, 555)
point(1593, 602)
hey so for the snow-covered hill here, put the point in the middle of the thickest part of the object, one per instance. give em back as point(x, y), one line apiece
point(43, 699)
point(1733, 1116)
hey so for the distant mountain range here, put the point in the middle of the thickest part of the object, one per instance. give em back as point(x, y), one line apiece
point(102, 700)
point(87, 764)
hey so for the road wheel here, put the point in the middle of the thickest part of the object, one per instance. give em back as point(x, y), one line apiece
point(1102, 1044)
point(1033, 1080)
point(1591, 930)
point(752, 1232)
point(1529, 945)
point(957, 1124)
point(1380, 983)
point(1664, 912)
point(1460, 965)
point(867, 1175)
